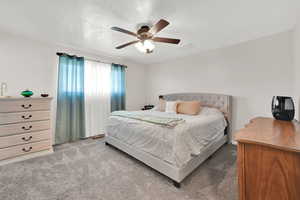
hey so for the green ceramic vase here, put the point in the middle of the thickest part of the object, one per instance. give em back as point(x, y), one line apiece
point(26, 93)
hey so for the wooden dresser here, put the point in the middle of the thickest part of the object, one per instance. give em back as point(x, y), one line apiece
point(269, 160)
point(24, 128)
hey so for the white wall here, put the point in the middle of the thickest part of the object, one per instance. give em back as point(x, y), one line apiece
point(31, 64)
point(251, 72)
point(296, 43)
point(135, 86)
point(297, 68)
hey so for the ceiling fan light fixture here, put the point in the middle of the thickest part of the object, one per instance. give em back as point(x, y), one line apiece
point(146, 36)
point(149, 45)
point(145, 46)
point(140, 47)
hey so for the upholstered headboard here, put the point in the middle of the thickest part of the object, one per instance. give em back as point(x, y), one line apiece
point(219, 101)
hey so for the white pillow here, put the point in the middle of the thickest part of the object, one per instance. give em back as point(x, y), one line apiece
point(171, 106)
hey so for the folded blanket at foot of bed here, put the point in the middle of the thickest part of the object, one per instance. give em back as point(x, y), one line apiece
point(164, 121)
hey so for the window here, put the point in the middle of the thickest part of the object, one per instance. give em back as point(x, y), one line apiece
point(97, 86)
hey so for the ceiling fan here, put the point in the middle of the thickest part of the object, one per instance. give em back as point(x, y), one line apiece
point(146, 36)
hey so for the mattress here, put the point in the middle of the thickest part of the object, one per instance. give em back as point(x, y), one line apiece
point(176, 145)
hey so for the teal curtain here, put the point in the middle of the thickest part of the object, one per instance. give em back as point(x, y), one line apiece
point(118, 97)
point(70, 117)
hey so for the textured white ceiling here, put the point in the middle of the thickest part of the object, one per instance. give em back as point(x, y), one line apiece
point(200, 24)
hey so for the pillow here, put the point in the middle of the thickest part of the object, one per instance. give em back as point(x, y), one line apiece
point(162, 105)
point(189, 107)
point(171, 106)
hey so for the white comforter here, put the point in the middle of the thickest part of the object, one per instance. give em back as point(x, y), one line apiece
point(174, 145)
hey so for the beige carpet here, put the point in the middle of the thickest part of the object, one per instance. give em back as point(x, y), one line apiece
point(89, 170)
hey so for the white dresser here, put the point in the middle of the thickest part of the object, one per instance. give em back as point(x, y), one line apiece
point(24, 128)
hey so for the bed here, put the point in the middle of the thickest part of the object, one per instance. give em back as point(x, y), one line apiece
point(174, 151)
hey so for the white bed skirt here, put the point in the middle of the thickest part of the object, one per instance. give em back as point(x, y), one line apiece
point(171, 171)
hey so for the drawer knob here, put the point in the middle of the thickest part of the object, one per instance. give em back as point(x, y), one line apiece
point(24, 128)
point(27, 139)
point(24, 117)
point(26, 107)
point(27, 150)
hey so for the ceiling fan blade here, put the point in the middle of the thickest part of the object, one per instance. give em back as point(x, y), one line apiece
point(123, 31)
point(161, 24)
point(127, 44)
point(166, 40)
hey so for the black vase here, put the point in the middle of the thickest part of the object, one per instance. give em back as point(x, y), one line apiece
point(283, 108)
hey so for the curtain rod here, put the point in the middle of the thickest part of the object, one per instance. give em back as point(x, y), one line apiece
point(60, 54)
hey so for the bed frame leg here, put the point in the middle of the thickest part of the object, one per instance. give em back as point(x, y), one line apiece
point(176, 184)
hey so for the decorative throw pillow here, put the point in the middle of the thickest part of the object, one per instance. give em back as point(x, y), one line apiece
point(189, 107)
point(162, 105)
point(171, 106)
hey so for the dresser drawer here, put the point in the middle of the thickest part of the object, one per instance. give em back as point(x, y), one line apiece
point(24, 127)
point(24, 105)
point(12, 140)
point(19, 150)
point(8, 118)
